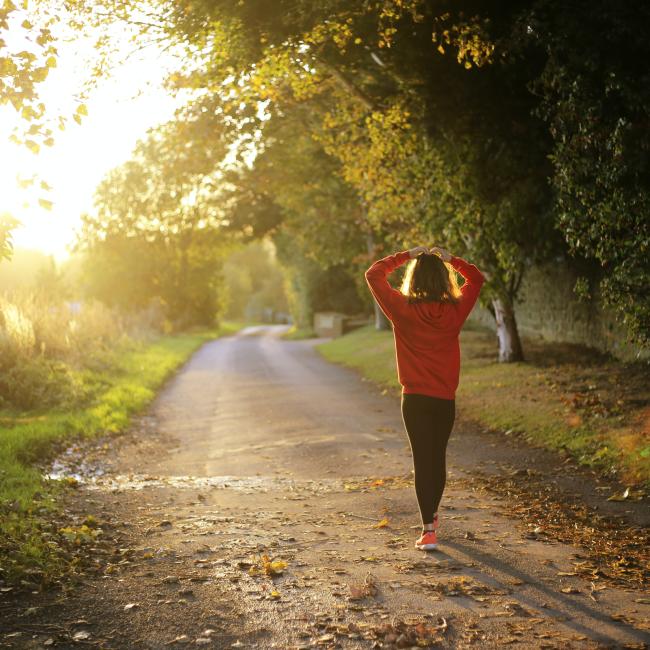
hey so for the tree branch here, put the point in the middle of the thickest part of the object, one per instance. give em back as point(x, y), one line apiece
point(348, 85)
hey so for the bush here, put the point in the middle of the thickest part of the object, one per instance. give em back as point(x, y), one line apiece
point(38, 383)
point(45, 347)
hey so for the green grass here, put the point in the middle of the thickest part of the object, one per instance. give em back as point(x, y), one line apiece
point(543, 399)
point(125, 385)
point(299, 333)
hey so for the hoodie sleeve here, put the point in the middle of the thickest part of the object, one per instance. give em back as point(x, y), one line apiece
point(470, 290)
point(390, 300)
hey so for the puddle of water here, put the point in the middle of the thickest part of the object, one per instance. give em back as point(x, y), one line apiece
point(249, 483)
point(62, 468)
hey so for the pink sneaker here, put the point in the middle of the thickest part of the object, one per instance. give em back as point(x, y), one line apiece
point(428, 541)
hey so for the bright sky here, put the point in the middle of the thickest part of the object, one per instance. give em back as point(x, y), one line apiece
point(120, 111)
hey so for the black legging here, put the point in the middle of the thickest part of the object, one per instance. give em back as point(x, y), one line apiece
point(428, 422)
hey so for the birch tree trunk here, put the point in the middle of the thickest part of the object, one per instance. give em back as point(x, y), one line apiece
point(381, 322)
point(509, 343)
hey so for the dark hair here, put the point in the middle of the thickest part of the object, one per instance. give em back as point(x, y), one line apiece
point(429, 279)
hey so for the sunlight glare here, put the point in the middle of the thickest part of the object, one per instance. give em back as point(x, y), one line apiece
point(120, 110)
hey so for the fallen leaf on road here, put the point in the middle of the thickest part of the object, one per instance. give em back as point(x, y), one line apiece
point(620, 497)
point(267, 566)
point(366, 590)
point(464, 586)
point(170, 580)
point(183, 638)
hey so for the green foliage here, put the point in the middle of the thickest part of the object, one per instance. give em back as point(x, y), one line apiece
point(311, 288)
point(46, 347)
point(156, 231)
point(123, 385)
point(37, 383)
point(366, 144)
point(294, 193)
point(254, 283)
point(26, 59)
point(595, 98)
point(299, 334)
point(416, 122)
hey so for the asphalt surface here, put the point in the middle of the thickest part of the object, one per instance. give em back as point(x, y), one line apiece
point(265, 500)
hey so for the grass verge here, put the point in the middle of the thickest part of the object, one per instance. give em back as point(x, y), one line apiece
point(299, 333)
point(121, 386)
point(564, 397)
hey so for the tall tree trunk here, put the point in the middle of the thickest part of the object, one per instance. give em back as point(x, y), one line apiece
point(507, 333)
point(381, 322)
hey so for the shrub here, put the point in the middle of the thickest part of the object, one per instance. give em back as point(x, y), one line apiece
point(46, 346)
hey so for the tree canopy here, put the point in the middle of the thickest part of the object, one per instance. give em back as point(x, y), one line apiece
point(511, 132)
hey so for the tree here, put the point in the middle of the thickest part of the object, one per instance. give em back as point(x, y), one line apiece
point(458, 166)
point(157, 228)
point(27, 54)
point(428, 109)
point(594, 85)
point(254, 282)
point(294, 193)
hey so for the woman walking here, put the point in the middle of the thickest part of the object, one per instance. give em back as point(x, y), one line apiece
point(427, 316)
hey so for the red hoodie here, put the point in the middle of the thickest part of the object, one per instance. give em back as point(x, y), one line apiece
point(426, 333)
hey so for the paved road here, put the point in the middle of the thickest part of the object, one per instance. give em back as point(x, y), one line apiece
point(259, 452)
point(256, 404)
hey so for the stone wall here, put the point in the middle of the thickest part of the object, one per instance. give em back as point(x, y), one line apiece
point(548, 308)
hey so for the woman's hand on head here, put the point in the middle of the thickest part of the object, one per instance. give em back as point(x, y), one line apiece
point(418, 250)
point(445, 254)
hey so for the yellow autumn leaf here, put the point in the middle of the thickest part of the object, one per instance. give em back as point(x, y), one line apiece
point(382, 524)
point(276, 567)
